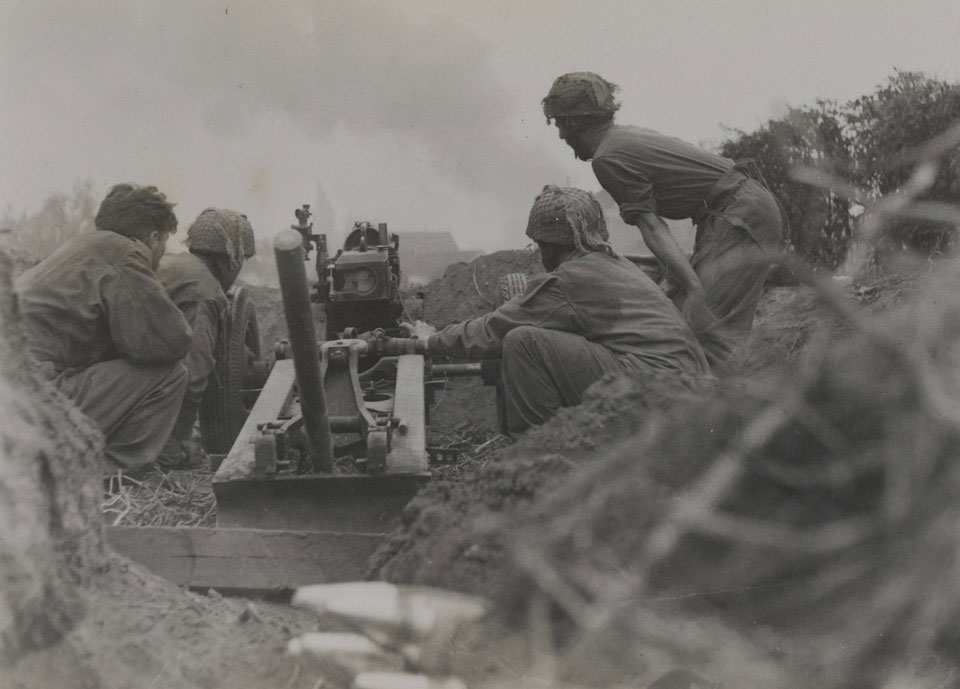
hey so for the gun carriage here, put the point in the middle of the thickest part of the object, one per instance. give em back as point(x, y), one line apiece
point(318, 451)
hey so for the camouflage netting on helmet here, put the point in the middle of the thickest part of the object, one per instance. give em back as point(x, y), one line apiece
point(580, 93)
point(246, 234)
point(568, 217)
point(219, 232)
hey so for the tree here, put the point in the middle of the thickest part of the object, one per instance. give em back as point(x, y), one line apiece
point(819, 222)
point(873, 142)
point(61, 217)
point(888, 128)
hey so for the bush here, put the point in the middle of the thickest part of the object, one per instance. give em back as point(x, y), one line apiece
point(819, 222)
point(888, 130)
point(872, 141)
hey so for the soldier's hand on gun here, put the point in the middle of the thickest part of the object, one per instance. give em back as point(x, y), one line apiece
point(696, 311)
point(417, 334)
point(372, 338)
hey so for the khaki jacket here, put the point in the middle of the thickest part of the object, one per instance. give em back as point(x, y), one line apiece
point(605, 299)
point(197, 293)
point(98, 299)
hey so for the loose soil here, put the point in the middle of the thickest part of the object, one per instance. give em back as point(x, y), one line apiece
point(140, 631)
point(569, 512)
point(468, 290)
point(556, 527)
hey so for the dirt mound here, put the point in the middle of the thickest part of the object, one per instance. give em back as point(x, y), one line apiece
point(444, 540)
point(49, 458)
point(789, 320)
point(468, 290)
point(800, 519)
point(773, 518)
point(72, 614)
point(142, 631)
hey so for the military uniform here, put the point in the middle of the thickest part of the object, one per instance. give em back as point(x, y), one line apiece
point(198, 294)
point(219, 241)
point(739, 223)
point(595, 314)
point(100, 326)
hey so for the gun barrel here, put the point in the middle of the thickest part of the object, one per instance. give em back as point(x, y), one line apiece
point(288, 250)
point(457, 370)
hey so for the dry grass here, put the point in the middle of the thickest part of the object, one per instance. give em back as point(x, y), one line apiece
point(185, 498)
point(474, 446)
point(175, 498)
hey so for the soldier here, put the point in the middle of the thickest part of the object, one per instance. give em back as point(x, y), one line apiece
point(651, 177)
point(218, 241)
point(593, 313)
point(100, 326)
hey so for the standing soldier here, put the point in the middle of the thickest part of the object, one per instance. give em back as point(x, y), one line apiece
point(218, 242)
point(651, 177)
point(100, 326)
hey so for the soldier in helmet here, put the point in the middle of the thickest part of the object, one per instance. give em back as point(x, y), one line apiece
point(101, 328)
point(651, 177)
point(592, 313)
point(218, 241)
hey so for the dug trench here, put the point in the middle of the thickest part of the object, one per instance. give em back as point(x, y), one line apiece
point(796, 561)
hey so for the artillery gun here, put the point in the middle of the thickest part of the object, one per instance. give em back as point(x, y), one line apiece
point(322, 448)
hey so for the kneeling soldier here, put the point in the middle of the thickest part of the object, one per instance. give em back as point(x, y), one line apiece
point(218, 242)
point(100, 326)
point(593, 313)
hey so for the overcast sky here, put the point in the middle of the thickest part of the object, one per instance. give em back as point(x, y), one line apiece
point(420, 113)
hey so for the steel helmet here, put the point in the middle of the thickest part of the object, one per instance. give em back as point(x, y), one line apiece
point(218, 232)
point(246, 234)
point(568, 217)
point(580, 93)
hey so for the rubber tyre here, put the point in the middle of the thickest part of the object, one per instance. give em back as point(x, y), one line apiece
point(222, 410)
point(511, 285)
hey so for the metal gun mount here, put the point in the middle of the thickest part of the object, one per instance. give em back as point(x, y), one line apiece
point(359, 287)
point(305, 228)
point(279, 472)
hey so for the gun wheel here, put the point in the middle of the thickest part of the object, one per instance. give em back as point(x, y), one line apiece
point(226, 402)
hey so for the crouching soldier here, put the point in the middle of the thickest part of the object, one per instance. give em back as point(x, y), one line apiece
point(593, 313)
point(99, 325)
point(218, 242)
